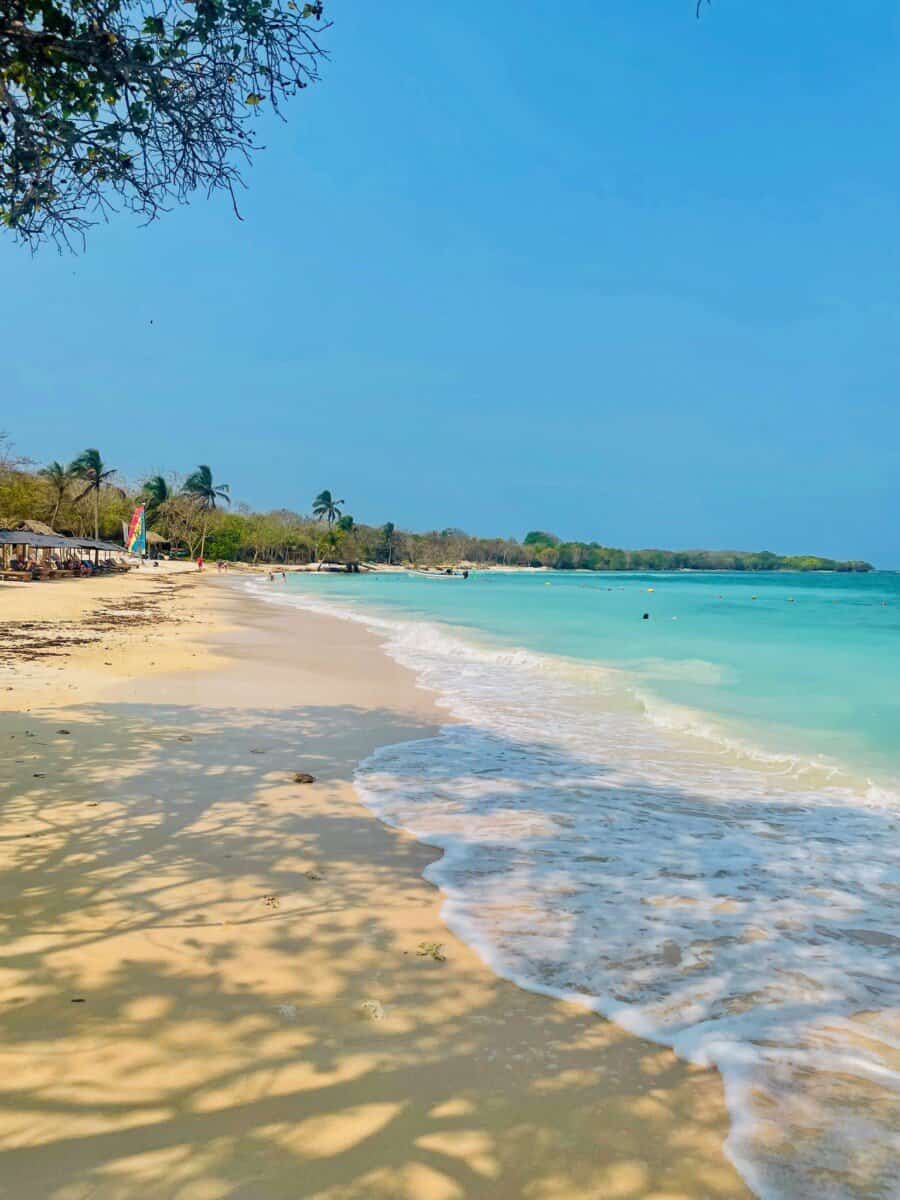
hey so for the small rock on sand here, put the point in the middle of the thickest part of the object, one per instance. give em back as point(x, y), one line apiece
point(303, 777)
point(373, 1010)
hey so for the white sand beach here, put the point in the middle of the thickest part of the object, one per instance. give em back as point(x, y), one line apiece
point(217, 982)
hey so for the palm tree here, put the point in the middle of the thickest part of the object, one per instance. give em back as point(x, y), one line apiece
point(328, 545)
point(154, 493)
point(326, 508)
point(59, 478)
point(200, 487)
point(91, 469)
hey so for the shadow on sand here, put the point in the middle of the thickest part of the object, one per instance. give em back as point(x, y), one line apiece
point(189, 942)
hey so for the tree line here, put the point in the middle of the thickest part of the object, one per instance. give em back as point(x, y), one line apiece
point(546, 550)
point(193, 514)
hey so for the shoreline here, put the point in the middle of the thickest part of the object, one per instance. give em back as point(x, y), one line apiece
point(366, 568)
point(728, 733)
point(244, 951)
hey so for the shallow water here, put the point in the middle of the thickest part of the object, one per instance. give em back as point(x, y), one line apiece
point(689, 823)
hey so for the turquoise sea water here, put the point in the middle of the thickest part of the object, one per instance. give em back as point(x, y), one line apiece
point(803, 664)
point(690, 823)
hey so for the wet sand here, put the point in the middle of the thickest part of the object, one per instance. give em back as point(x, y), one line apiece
point(217, 982)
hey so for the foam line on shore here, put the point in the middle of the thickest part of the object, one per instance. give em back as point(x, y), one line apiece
point(734, 908)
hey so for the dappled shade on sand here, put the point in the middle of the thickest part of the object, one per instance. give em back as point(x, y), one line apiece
point(255, 1018)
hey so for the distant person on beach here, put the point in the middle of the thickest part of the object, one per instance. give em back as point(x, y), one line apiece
point(199, 562)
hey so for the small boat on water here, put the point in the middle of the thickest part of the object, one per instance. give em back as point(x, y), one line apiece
point(450, 573)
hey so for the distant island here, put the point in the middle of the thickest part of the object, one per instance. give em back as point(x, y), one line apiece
point(192, 514)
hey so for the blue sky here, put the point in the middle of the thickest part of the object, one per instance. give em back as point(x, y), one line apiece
point(601, 269)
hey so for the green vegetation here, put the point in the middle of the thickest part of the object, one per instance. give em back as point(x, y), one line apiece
point(59, 480)
point(326, 507)
point(93, 472)
point(89, 498)
point(105, 101)
point(549, 551)
point(154, 493)
point(203, 494)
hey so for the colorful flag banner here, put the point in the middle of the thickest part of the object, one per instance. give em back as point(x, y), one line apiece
point(136, 541)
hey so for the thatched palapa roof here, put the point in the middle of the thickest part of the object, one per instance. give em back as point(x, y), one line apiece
point(36, 527)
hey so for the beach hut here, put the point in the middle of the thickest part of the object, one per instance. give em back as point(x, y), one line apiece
point(24, 545)
point(48, 541)
point(50, 551)
point(96, 547)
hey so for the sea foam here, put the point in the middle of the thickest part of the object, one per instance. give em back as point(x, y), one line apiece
point(739, 907)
